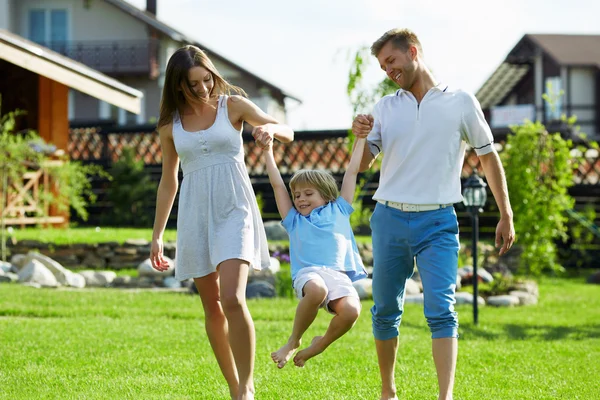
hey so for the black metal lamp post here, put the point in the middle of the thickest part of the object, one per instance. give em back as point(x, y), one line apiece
point(474, 197)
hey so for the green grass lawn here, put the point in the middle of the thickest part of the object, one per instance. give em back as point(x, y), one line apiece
point(93, 235)
point(87, 234)
point(121, 344)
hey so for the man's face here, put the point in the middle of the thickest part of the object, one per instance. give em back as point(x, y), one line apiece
point(400, 66)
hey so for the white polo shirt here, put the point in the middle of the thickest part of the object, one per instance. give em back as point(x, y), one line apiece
point(424, 144)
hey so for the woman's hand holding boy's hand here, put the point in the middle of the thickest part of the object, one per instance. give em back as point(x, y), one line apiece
point(263, 136)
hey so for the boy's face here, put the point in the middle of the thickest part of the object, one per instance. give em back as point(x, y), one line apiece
point(307, 198)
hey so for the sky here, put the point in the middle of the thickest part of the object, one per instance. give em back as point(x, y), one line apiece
point(304, 47)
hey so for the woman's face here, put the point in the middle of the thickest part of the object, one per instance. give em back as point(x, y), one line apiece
point(201, 82)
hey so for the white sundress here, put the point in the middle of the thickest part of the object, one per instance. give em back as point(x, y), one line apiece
point(218, 217)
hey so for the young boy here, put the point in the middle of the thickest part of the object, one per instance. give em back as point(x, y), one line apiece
point(323, 253)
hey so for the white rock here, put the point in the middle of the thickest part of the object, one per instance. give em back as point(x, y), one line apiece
point(411, 287)
point(98, 278)
point(275, 265)
point(34, 271)
point(503, 301)
point(525, 298)
point(171, 282)
point(5, 266)
point(364, 287)
point(63, 275)
point(467, 298)
point(19, 260)
point(414, 298)
point(145, 268)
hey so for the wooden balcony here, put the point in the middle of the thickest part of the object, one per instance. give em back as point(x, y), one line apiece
point(121, 57)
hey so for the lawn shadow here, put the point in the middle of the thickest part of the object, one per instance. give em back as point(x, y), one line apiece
point(531, 332)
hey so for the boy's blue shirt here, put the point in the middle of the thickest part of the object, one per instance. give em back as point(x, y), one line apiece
point(324, 238)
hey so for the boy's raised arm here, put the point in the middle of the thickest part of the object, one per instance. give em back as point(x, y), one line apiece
point(282, 197)
point(349, 181)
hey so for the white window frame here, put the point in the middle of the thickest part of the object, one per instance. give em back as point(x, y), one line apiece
point(47, 8)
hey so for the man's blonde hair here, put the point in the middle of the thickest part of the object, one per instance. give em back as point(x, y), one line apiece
point(401, 39)
point(322, 181)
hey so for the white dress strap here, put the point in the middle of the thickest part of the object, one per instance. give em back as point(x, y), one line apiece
point(223, 101)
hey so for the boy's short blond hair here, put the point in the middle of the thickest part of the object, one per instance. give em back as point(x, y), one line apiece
point(322, 181)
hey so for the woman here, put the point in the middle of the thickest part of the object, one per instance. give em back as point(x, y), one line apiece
point(220, 234)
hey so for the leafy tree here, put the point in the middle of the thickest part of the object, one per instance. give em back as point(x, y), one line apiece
point(539, 171)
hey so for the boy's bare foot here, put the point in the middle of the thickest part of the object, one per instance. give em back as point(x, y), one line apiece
point(306, 354)
point(282, 355)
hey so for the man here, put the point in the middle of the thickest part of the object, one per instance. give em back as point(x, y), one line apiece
point(422, 130)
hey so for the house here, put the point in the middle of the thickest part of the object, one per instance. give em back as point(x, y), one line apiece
point(38, 81)
point(125, 43)
point(546, 64)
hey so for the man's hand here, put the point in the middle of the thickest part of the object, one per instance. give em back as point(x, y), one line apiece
point(362, 125)
point(505, 234)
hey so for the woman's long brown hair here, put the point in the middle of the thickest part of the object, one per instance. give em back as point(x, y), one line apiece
point(178, 66)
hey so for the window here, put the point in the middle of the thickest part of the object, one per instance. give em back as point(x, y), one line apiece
point(555, 101)
point(49, 28)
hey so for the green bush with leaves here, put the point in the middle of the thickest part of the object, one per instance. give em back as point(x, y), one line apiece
point(283, 281)
point(131, 193)
point(539, 170)
point(23, 151)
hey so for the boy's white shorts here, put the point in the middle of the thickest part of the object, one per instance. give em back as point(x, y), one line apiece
point(337, 283)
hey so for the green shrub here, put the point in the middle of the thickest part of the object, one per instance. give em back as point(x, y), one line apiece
point(283, 281)
point(131, 193)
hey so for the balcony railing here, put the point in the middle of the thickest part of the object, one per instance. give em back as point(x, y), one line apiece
point(111, 57)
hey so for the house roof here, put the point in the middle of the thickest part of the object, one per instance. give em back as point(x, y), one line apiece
point(565, 50)
point(570, 49)
point(43, 61)
point(151, 20)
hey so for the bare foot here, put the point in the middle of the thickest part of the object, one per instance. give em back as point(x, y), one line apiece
point(247, 394)
point(282, 355)
point(388, 395)
point(306, 354)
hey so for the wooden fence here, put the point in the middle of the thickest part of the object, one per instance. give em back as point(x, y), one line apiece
point(27, 200)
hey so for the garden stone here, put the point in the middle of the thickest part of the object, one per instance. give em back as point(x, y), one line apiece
point(524, 297)
point(275, 265)
point(98, 278)
point(18, 261)
point(466, 274)
point(530, 287)
point(414, 298)
point(594, 278)
point(35, 271)
point(5, 266)
point(260, 289)
point(367, 256)
point(412, 287)
point(467, 298)
point(275, 231)
point(8, 277)
point(145, 282)
point(364, 287)
point(93, 261)
point(261, 275)
point(63, 275)
point(123, 281)
point(145, 268)
point(503, 301)
point(171, 283)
